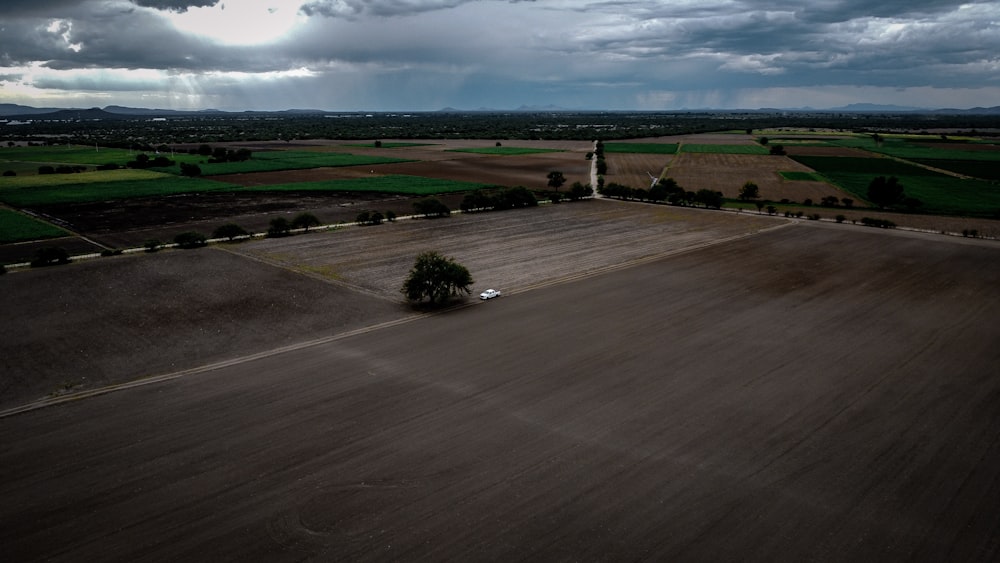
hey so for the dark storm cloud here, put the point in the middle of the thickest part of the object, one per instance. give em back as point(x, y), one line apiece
point(351, 9)
point(609, 51)
point(175, 5)
point(13, 9)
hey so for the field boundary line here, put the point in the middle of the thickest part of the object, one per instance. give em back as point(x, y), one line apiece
point(152, 379)
point(647, 259)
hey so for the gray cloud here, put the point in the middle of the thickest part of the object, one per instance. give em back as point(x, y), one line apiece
point(175, 5)
point(550, 50)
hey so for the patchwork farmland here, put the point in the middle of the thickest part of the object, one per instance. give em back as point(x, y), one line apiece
point(658, 382)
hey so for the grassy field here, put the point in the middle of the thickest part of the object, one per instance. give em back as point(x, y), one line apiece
point(65, 154)
point(396, 184)
point(505, 151)
point(940, 193)
point(26, 160)
point(388, 145)
point(723, 149)
point(641, 148)
point(902, 147)
point(272, 161)
point(987, 170)
point(17, 227)
point(101, 191)
point(797, 176)
point(93, 177)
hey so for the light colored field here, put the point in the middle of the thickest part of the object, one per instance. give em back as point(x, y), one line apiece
point(727, 173)
point(633, 169)
point(509, 249)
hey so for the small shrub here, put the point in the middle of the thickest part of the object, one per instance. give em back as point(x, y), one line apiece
point(840, 218)
point(280, 227)
point(390, 216)
point(229, 231)
point(111, 252)
point(880, 223)
point(152, 245)
point(814, 217)
point(3, 269)
point(190, 239)
point(50, 256)
point(305, 221)
point(9, 173)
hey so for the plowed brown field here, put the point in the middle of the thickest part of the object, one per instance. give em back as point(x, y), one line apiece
point(727, 173)
point(707, 391)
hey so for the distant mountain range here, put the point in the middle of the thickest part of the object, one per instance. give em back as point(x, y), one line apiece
point(15, 111)
point(121, 112)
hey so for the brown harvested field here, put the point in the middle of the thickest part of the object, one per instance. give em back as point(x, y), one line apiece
point(633, 169)
point(530, 171)
point(813, 392)
point(796, 150)
point(510, 250)
point(727, 173)
point(148, 301)
point(103, 322)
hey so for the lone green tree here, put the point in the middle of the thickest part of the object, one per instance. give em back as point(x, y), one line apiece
point(436, 279)
point(305, 221)
point(229, 231)
point(885, 192)
point(280, 227)
point(556, 179)
point(749, 192)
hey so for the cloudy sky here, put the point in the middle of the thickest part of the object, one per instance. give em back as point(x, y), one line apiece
point(393, 55)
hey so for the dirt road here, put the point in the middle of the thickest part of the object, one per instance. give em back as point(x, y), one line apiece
point(810, 393)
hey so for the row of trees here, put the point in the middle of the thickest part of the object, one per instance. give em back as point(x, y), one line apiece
point(486, 200)
point(666, 190)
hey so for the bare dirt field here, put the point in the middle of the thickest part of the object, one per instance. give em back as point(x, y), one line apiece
point(106, 321)
point(512, 250)
point(633, 170)
point(727, 173)
point(182, 308)
point(813, 392)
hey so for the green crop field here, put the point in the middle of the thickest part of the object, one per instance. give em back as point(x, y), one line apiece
point(505, 151)
point(102, 191)
point(273, 161)
point(73, 154)
point(48, 180)
point(940, 193)
point(396, 184)
point(641, 148)
point(902, 147)
point(17, 227)
point(724, 149)
point(975, 168)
